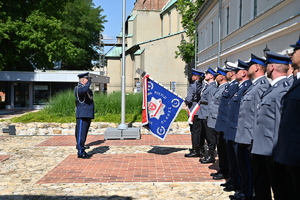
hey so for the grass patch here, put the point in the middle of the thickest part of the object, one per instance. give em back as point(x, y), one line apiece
point(61, 109)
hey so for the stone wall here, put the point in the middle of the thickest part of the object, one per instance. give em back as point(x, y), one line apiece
point(96, 128)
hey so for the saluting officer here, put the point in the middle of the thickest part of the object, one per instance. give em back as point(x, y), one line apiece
point(267, 124)
point(211, 122)
point(193, 96)
point(287, 151)
point(84, 112)
point(232, 119)
point(247, 121)
point(206, 95)
point(221, 124)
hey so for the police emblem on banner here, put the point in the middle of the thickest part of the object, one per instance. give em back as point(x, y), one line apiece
point(160, 107)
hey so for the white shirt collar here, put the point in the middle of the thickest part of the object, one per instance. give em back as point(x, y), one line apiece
point(254, 80)
point(277, 79)
point(242, 82)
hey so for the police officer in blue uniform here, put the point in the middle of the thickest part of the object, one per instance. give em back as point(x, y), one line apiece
point(287, 150)
point(206, 96)
point(221, 124)
point(84, 112)
point(193, 96)
point(267, 125)
point(247, 122)
point(232, 120)
point(211, 122)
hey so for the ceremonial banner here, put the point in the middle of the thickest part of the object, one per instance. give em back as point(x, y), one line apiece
point(160, 107)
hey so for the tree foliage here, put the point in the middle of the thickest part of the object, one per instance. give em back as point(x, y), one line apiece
point(188, 9)
point(36, 33)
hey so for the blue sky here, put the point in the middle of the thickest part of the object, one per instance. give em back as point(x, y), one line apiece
point(113, 11)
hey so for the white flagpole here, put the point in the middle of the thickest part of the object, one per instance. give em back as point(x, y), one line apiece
point(123, 82)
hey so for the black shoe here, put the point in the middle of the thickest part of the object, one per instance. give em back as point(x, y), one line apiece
point(86, 147)
point(237, 196)
point(230, 188)
point(214, 174)
point(84, 155)
point(224, 184)
point(207, 159)
point(192, 154)
point(219, 176)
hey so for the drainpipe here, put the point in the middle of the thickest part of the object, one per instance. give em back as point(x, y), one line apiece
point(219, 34)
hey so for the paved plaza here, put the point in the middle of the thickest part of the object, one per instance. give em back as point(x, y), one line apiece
point(47, 167)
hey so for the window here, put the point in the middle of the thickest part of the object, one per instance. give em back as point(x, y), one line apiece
point(212, 32)
point(255, 9)
point(227, 20)
point(241, 13)
point(41, 93)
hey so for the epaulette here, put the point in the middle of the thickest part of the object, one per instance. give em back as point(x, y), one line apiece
point(263, 81)
point(286, 84)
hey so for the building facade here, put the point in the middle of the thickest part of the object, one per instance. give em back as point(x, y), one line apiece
point(153, 32)
point(233, 29)
point(32, 90)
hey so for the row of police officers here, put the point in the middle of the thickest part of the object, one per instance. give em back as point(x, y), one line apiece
point(252, 121)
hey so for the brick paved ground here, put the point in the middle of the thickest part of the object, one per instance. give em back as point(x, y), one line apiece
point(162, 163)
point(47, 167)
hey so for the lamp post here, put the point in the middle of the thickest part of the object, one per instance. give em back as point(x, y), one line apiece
point(265, 50)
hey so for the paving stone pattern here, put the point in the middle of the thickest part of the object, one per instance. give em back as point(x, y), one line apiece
point(47, 167)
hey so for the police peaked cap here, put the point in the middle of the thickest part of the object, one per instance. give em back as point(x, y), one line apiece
point(229, 67)
point(242, 65)
point(83, 75)
point(273, 57)
point(221, 71)
point(257, 60)
point(197, 72)
point(211, 71)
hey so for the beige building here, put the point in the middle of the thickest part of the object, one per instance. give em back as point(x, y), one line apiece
point(153, 32)
point(233, 29)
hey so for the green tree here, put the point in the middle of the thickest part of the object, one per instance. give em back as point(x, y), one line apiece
point(37, 33)
point(188, 9)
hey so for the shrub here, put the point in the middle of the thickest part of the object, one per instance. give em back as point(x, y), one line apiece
point(61, 109)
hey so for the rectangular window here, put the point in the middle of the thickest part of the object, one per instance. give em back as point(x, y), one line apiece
point(255, 9)
point(227, 20)
point(241, 13)
point(41, 93)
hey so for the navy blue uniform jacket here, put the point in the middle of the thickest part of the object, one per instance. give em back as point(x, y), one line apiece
point(84, 101)
point(287, 150)
point(223, 106)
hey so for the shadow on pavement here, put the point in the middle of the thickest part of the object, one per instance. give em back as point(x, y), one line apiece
point(45, 197)
point(99, 150)
point(165, 150)
point(95, 143)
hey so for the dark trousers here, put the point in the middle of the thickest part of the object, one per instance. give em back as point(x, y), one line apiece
point(245, 169)
point(231, 148)
point(81, 130)
point(261, 180)
point(202, 137)
point(210, 137)
point(196, 131)
point(288, 179)
point(222, 155)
